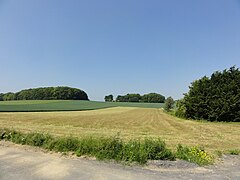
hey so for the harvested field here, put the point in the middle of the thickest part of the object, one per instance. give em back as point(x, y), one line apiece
point(130, 123)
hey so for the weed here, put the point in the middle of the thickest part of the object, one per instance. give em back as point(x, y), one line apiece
point(194, 154)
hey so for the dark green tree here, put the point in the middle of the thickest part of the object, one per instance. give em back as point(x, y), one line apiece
point(153, 98)
point(108, 98)
point(1, 96)
point(47, 93)
point(169, 103)
point(216, 98)
point(129, 98)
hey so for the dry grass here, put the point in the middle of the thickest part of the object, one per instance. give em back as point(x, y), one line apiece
point(131, 123)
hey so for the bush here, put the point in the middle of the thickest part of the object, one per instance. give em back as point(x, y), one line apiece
point(194, 154)
point(180, 109)
point(169, 104)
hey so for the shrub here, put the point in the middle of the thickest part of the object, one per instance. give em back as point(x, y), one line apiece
point(180, 109)
point(169, 104)
point(194, 154)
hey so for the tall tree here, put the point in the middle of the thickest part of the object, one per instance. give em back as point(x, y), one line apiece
point(216, 98)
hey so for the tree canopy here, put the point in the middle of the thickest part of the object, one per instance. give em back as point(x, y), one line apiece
point(129, 98)
point(215, 98)
point(46, 93)
point(153, 98)
point(169, 104)
point(148, 98)
point(108, 98)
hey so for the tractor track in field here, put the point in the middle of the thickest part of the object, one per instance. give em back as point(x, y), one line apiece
point(25, 162)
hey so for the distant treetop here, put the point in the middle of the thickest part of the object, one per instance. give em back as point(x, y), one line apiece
point(148, 98)
point(46, 93)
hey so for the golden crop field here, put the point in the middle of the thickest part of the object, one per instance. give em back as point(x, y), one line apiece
point(130, 123)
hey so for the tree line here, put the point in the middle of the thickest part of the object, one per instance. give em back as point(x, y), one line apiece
point(46, 93)
point(147, 98)
point(214, 98)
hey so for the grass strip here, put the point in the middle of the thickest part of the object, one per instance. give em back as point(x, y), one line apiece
point(111, 148)
point(102, 148)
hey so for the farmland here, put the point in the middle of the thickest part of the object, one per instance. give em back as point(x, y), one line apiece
point(109, 120)
point(66, 105)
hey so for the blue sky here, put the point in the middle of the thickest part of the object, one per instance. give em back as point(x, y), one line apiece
point(116, 47)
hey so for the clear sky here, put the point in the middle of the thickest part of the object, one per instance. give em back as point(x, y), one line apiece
point(116, 46)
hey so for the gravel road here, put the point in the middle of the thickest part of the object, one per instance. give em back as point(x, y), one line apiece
point(24, 162)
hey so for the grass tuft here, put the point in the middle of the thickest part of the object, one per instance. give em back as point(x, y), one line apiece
point(234, 151)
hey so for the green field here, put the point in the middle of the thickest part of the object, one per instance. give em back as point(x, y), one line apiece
point(66, 105)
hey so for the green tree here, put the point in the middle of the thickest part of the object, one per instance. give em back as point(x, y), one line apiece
point(153, 98)
point(1, 96)
point(215, 98)
point(108, 98)
point(47, 93)
point(169, 104)
point(9, 96)
point(129, 98)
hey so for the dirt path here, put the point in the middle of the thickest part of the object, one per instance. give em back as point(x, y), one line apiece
point(24, 162)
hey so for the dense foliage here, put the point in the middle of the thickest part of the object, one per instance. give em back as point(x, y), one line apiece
point(129, 98)
point(46, 93)
point(108, 98)
point(169, 104)
point(153, 98)
point(216, 98)
point(147, 98)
